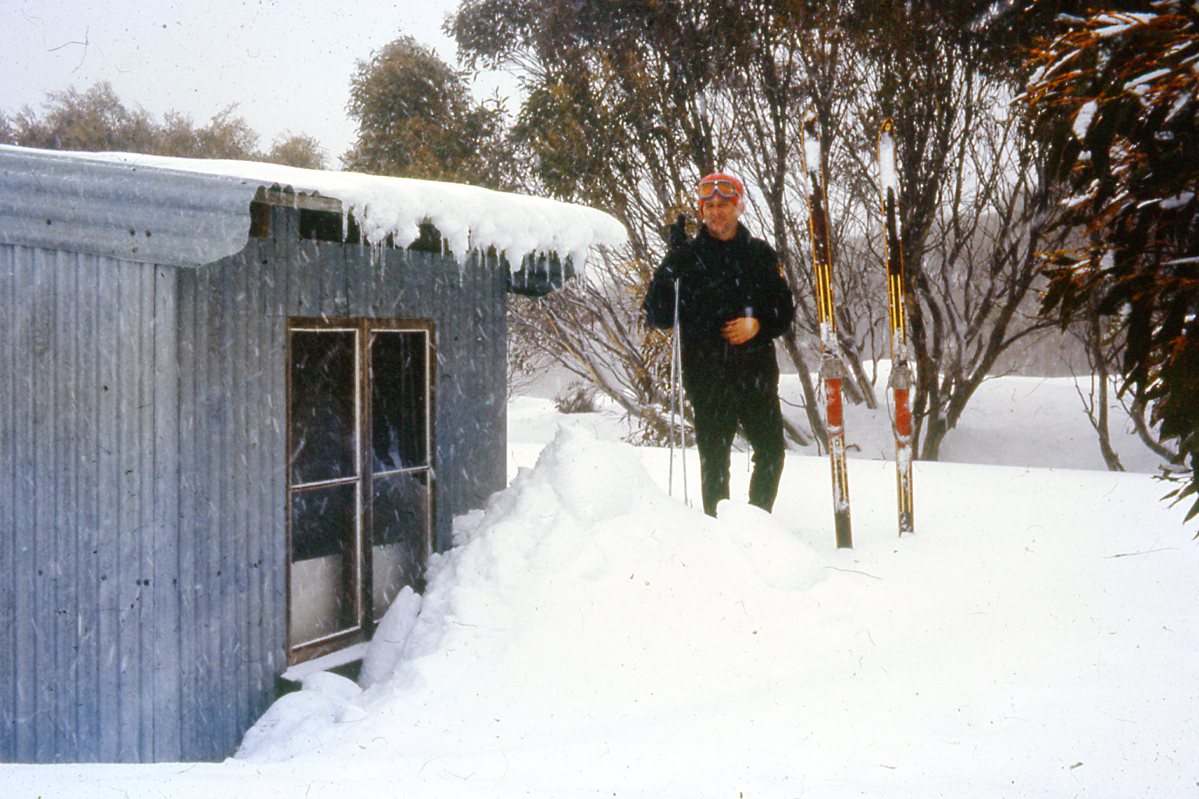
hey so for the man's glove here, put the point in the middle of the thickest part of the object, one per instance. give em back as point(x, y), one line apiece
point(677, 235)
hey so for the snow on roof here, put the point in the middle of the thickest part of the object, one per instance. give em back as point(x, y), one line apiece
point(469, 218)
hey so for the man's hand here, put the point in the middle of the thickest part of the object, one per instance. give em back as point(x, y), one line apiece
point(739, 331)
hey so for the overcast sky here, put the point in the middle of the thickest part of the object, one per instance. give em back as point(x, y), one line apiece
point(287, 64)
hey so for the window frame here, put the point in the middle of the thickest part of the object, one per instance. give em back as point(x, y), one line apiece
point(364, 329)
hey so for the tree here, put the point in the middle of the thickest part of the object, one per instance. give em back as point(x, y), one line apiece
point(416, 118)
point(614, 357)
point(225, 136)
point(297, 149)
point(972, 185)
point(92, 121)
point(616, 116)
point(97, 121)
point(630, 102)
point(1119, 103)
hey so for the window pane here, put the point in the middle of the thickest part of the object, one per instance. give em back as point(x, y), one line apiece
point(324, 559)
point(399, 399)
point(322, 521)
point(322, 405)
point(399, 528)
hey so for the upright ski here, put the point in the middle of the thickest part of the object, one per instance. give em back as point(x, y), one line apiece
point(832, 367)
point(900, 383)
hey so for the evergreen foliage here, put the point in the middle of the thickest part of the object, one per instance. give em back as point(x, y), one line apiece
point(1118, 94)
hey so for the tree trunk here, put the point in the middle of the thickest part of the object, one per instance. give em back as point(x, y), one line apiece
point(811, 406)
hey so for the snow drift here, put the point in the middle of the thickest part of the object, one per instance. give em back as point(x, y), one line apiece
point(590, 636)
point(571, 602)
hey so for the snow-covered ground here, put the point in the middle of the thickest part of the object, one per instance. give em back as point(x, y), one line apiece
point(590, 635)
point(1010, 421)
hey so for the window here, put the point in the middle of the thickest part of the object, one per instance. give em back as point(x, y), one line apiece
point(359, 475)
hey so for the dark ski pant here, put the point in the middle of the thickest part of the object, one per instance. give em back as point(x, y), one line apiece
point(720, 403)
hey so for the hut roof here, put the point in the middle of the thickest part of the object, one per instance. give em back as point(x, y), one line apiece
point(186, 212)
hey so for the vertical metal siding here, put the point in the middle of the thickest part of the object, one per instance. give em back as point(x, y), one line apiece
point(166, 631)
point(128, 659)
point(8, 501)
point(231, 531)
point(19, 341)
point(260, 685)
point(143, 474)
point(36, 476)
point(108, 600)
point(86, 496)
point(471, 390)
point(78, 454)
point(191, 518)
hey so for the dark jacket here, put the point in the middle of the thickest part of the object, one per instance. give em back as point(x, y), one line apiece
point(720, 281)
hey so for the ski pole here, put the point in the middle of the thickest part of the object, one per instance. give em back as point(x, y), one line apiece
point(676, 399)
point(674, 364)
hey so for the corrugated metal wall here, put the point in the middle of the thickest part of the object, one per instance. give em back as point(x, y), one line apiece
point(233, 323)
point(142, 468)
point(87, 504)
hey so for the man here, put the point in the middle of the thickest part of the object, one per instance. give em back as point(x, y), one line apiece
point(732, 303)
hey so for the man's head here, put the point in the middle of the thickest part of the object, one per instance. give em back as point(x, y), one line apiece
point(721, 184)
point(721, 201)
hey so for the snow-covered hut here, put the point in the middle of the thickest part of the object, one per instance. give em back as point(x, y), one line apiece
point(240, 405)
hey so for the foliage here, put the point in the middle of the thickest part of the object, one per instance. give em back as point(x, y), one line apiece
point(97, 120)
point(92, 121)
point(225, 136)
point(1119, 99)
point(577, 397)
point(613, 354)
point(416, 119)
point(297, 149)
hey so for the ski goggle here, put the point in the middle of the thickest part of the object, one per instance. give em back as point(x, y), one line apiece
point(725, 188)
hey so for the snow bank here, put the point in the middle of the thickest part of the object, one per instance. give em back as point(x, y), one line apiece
point(589, 637)
point(538, 616)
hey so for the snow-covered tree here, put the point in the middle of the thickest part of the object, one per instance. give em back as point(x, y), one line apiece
point(1118, 94)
